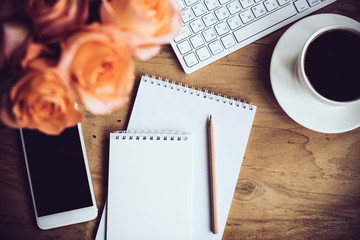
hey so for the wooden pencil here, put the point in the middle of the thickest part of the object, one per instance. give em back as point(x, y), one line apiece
point(213, 201)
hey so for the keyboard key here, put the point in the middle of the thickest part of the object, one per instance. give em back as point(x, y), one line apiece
point(216, 47)
point(222, 2)
point(203, 53)
point(301, 5)
point(197, 41)
point(211, 4)
point(187, 15)
point(209, 34)
point(184, 47)
point(246, 3)
point(259, 10)
point(197, 25)
point(234, 7)
point(190, 2)
point(283, 2)
point(199, 9)
point(234, 22)
point(221, 28)
point(313, 2)
point(228, 41)
point(259, 25)
point(246, 16)
point(181, 3)
point(184, 33)
point(221, 13)
point(209, 19)
point(270, 5)
point(191, 60)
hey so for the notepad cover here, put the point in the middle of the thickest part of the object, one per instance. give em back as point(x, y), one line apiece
point(150, 186)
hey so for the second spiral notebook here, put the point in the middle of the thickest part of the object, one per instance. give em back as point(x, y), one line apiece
point(150, 186)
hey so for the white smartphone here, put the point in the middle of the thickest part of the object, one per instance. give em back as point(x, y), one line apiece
point(59, 177)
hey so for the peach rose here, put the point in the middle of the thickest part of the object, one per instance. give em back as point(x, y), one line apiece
point(39, 100)
point(99, 66)
point(149, 23)
point(54, 19)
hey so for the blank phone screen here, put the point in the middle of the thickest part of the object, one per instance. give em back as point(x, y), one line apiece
point(57, 171)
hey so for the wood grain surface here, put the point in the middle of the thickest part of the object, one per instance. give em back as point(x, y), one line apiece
point(294, 183)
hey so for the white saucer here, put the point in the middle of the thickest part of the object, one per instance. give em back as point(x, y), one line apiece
point(292, 98)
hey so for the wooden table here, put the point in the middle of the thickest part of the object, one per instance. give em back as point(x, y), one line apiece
point(294, 183)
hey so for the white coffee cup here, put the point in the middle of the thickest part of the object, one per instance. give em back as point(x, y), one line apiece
point(307, 84)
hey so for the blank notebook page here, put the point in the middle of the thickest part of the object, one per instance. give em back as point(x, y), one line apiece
point(165, 105)
point(150, 186)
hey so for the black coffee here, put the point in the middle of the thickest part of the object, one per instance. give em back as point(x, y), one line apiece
point(332, 65)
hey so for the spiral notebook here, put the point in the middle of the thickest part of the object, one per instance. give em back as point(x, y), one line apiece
point(165, 104)
point(150, 186)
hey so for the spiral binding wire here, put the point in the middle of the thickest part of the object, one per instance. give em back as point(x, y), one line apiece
point(198, 92)
point(151, 135)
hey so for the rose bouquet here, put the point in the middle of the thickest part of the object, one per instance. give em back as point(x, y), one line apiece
point(56, 53)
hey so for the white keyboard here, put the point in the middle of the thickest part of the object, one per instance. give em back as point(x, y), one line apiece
point(213, 29)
